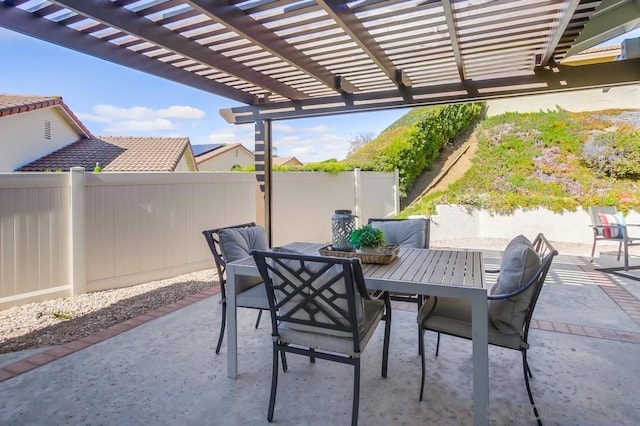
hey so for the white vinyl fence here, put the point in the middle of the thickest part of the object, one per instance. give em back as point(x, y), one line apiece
point(303, 204)
point(71, 233)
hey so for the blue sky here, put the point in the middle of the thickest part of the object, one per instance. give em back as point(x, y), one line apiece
point(114, 100)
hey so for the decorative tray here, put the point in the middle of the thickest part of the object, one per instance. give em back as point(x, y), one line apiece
point(383, 255)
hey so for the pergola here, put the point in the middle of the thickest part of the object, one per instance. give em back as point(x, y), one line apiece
point(287, 59)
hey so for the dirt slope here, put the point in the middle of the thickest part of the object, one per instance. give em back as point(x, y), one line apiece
point(451, 164)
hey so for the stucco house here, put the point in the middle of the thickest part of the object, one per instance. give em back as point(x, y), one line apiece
point(41, 133)
point(222, 157)
point(34, 126)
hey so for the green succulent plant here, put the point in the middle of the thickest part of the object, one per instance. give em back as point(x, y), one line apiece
point(366, 237)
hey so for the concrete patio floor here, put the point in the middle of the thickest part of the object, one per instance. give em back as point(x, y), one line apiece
point(585, 341)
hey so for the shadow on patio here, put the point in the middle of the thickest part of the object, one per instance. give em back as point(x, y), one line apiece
point(585, 340)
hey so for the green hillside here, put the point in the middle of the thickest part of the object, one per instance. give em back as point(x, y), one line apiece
point(555, 159)
point(413, 142)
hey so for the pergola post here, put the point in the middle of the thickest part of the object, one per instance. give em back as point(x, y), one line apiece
point(263, 150)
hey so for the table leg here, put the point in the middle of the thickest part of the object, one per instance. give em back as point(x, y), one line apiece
point(480, 360)
point(232, 325)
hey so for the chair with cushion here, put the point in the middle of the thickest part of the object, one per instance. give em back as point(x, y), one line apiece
point(511, 302)
point(320, 308)
point(609, 224)
point(412, 233)
point(230, 244)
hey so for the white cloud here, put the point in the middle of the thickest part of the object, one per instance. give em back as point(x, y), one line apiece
point(318, 129)
point(309, 144)
point(181, 111)
point(139, 119)
point(243, 134)
point(114, 113)
point(312, 149)
point(156, 125)
point(281, 127)
point(94, 117)
point(222, 136)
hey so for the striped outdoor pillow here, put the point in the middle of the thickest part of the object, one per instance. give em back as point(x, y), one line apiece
point(613, 224)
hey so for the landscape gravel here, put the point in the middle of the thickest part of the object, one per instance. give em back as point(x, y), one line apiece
point(58, 321)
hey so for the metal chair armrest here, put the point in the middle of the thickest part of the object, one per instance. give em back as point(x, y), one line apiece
point(501, 296)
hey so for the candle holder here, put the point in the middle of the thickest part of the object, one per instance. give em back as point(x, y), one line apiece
point(342, 223)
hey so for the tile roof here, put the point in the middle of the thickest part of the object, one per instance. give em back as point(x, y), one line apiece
point(17, 104)
point(115, 154)
point(281, 161)
point(203, 149)
point(215, 153)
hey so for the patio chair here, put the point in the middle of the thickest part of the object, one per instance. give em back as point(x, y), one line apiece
point(233, 243)
point(511, 300)
point(406, 233)
point(320, 308)
point(608, 224)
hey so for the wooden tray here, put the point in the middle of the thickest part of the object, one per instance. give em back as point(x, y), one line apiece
point(384, 256)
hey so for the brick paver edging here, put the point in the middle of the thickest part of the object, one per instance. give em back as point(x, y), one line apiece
point(627, 302)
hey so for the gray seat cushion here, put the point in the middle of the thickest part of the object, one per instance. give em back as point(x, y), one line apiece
point(407, 233)
point(453, 316)
point(318, 339)
point(519, 264)
point(253, 297)
point(236, 244)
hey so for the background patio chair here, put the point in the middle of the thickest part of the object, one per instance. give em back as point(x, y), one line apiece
point(320, 308)
point(406, 233)
point(512, 299)
point(233, 243)
point(610, 225)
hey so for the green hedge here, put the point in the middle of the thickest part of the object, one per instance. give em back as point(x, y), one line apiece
point(413, 142)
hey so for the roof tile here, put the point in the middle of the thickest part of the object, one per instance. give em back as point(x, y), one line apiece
point(17, 104)
point(115, 154)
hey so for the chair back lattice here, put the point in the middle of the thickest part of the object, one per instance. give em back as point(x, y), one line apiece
point(313, 293)
point(213, 240)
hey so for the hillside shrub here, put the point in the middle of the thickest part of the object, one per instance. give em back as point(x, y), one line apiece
point(413, 142)
point(614, 153)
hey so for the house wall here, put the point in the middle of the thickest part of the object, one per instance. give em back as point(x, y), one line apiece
point(227, 160)
point(578, 100)
point(453, 222)
point(22, 137)
point(186, 163)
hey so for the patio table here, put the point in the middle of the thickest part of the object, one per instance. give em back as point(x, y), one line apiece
point(445, 273)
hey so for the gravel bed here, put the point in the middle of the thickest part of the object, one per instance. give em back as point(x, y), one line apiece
point(58, 321)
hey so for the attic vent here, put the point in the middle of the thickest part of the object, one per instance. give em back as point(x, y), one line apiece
point(47, 130)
